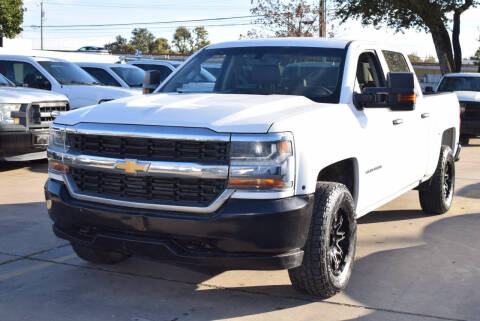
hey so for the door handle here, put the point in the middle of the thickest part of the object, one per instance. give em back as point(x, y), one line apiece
point(425, 115)
point(398, 121)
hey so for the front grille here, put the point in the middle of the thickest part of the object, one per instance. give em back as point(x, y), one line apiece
point(472, 111)
point(163, 190)
point(150, 149)
point(42, 114)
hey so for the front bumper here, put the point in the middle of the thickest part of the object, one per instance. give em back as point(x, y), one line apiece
point(23, 145)
point(243, 234)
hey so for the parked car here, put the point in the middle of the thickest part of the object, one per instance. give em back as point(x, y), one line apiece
point(266, 167)
point(93, 49)
point(25, 115)
point(163, 67)
point(116, 75)
point(467, 88)
point(59, 76)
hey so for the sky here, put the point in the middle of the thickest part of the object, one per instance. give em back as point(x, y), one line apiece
point(79, 12)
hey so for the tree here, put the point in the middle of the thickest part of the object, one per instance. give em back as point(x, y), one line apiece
point(160, 47)
point(431, 16)
point(430, 60)
point(200, 38)
point(476, 59)
point(120, 45)
point(414, 58)
point(142, 39)
point(285, 18)
point(11, 18)
point(182, 40)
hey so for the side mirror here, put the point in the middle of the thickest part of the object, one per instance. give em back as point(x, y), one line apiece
point(398, 95)
point(429, 90)
point(151, 80)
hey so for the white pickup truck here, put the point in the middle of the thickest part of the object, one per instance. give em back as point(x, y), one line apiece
point(467, 88)
point(60, 76)
point(25, 116)
point(267, 167)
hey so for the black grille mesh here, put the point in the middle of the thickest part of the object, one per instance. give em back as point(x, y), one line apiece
point(40, 113)
point(158, 189)
point(150, 148)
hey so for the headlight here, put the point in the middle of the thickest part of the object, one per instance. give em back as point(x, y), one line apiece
point(6, 113)
point(262, 162)
point(58, 138)
point(57, 143)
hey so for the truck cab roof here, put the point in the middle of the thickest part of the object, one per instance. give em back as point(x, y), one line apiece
point(290, 42)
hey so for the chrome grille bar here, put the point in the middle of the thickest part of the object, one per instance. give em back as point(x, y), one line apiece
point(154, 168)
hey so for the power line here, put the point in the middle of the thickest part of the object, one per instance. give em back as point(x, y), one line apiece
point(109, 31)
point(141, 23)
point(121, 6)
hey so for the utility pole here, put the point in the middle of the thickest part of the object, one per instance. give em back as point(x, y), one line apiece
point(42, 15)
point(322, 19)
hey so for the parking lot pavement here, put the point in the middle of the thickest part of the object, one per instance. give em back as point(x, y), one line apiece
point(408, 267)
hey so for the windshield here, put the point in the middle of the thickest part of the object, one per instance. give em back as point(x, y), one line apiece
point(67, 73)
point(460, 84)
point(4, 82)
point(132, 76)
point(315, 73)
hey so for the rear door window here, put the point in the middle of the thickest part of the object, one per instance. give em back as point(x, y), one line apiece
point(396, 61)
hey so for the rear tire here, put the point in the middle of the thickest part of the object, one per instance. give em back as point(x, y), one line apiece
point(100, 256)
point(464, 140)
point(330, 248)
point(437, 197)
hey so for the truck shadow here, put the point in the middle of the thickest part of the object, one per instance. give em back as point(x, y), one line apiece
point(419, 280)
point(470, 191)
point(441, 277)
point(37, 166)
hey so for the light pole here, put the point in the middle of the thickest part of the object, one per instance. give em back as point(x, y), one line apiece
point(42, 15)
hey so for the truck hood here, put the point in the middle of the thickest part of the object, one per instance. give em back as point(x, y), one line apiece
point(20, 95)
point(219, 112)
point(468, 95)
point(81, 95)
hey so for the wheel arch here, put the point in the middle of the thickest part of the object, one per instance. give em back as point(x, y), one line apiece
point(449, 138)
point(344, 172)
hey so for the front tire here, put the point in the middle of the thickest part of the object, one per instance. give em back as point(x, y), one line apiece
point(330, 248)
point(100, 256)
point(437, 196)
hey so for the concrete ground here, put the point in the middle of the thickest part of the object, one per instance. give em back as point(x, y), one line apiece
point(408, 267)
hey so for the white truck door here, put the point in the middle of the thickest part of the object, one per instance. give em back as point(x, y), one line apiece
point(378, 164)
point(412, 130)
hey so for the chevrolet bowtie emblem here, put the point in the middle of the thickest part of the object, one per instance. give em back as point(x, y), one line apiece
point(132, 167)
